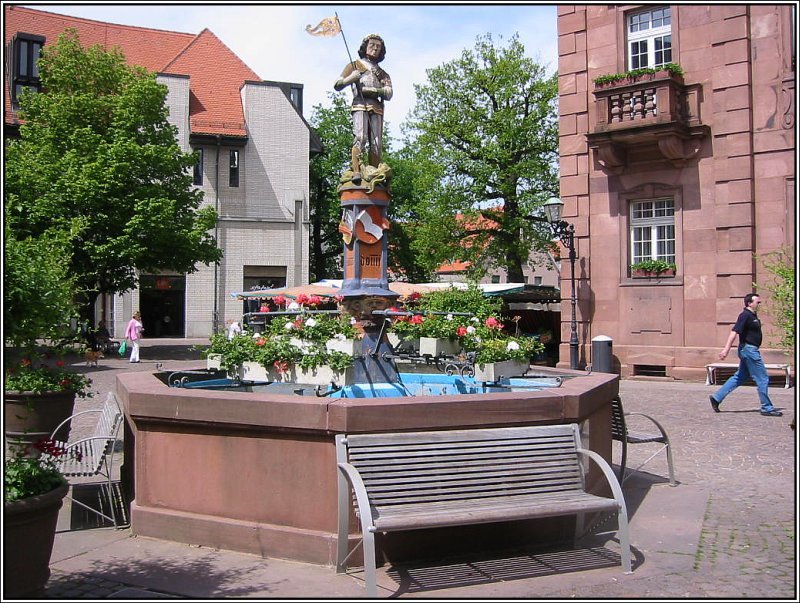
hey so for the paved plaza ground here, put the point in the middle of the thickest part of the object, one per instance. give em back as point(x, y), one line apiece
point(727, 530)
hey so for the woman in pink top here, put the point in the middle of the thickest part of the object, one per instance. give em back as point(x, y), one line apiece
point(134, 333)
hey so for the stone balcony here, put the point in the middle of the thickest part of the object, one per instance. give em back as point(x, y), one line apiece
point(650, 118)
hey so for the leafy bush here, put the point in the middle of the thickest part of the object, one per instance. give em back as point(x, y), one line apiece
point(653, 266)
point(782, 295)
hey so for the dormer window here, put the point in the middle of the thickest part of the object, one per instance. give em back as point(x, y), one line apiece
point(296, 96)
point(27, 49)
point(650, 38)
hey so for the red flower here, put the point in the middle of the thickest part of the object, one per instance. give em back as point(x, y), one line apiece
point(264, 308)
point(461, 331)
point(65, 382)
point(261, 341)
point(414, 296)
point(59, 363)
point(339, 298)
point(280, 300)
point(302, 299)
point(417, 319)
point(25, 362)
point(281, 366)
point(314, 300)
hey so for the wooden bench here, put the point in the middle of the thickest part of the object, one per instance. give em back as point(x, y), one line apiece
point(407, 481)
point(711, 371)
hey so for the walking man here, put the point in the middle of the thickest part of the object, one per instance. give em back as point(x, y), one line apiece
point(748, 329)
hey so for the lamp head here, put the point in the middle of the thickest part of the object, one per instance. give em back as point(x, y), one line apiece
point(552, 210)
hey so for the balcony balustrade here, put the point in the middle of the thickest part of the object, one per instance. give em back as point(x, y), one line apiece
point(656, 115)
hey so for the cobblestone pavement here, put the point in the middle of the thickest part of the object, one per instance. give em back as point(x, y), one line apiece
point(746, 462)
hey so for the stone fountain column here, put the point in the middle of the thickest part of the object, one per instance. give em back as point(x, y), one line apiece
point(365, 288)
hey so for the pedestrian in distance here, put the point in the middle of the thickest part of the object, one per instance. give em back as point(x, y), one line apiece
point(133, 332)
point(748, 330)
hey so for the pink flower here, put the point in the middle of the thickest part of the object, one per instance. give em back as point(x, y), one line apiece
point(280, 300)
point(302, 299)
point(339, 298)
point(314, 300)
point(417, 319)
point(461, 331)
point(493, 323)
point(281, 366)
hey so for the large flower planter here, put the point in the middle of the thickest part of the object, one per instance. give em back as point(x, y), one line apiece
point(351, 347)
point(30, 416)
point(253, 371)
point(29, 530)
point(432, 346)
point(408, 345)
point(321, 375)
point(492, 371)
point(213, 361)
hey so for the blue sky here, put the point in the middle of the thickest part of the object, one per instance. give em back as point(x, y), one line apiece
point(273, 42)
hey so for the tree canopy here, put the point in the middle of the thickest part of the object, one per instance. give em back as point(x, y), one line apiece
point(98, 160)
point(486, 125)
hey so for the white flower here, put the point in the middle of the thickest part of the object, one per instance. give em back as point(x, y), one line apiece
point(289, 326)
point(340, 337)
point(470, 329)
point(478, 340)
point(512, 345)
point(293, 306)
point(449, 317)
point(353, 320)
point(475, 319)
point(311, 322)
point(256, 335)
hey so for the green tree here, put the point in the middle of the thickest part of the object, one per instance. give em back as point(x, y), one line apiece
point(488, 122)
point(782, 303)
point(334, 128)
point(98, 160)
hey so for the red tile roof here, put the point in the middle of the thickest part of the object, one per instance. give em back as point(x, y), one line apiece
point(216, 74)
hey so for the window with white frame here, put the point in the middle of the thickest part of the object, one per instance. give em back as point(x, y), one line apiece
point(653, 230)
point(649, 37)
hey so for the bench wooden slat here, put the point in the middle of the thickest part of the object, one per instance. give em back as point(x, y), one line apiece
point(414, 480)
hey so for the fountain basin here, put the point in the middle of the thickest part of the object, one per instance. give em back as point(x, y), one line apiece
point(255, 471)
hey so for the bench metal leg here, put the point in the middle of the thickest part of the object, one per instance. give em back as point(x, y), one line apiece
point(369, 564)
point(624, 540)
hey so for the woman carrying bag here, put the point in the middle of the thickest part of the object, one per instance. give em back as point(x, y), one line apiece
point(134, 333)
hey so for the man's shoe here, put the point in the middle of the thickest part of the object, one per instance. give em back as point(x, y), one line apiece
point(772, 413)
point(714, 403)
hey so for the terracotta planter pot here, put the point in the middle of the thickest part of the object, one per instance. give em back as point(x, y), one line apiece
point(30, 417)
point(29, 530)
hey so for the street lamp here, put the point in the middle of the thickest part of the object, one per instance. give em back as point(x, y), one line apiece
point(566, 233)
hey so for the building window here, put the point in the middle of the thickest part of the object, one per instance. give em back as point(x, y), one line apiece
point(296, 96)
point(495, 279)
point(650, 38)
point(233, 179)
point(197, 175)
point(27, 49)
point(537, 280)
point(653, 230)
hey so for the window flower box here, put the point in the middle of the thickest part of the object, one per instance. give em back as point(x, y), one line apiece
point(214, 362)
point(492, 371)
point(407, 344)
point(351, 347)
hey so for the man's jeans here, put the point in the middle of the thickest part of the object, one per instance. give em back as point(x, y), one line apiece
point(750, 364)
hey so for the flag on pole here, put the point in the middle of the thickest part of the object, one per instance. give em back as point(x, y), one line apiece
point(328, 27)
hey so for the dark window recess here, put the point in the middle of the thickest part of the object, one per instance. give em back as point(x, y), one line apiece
point(197, 174)
point(27, 49)
point(234, 169)
point(650, 370)
point(296, 96)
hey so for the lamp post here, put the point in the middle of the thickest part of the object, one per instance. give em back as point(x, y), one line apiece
point(566, 234)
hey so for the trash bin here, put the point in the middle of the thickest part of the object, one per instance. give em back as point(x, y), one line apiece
point(602, 356)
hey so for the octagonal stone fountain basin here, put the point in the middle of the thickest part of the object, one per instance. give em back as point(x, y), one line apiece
point(255, 471)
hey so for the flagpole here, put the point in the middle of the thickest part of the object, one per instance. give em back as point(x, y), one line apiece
point(346, 47)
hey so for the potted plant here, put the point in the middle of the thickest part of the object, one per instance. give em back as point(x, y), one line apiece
point(634, 75)
point(652, 268)
point(34, 492)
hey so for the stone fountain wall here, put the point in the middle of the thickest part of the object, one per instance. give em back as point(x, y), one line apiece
point(256, 472)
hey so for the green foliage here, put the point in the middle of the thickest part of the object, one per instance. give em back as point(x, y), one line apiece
point(333, 126)
point(485, 130)
point(521, 349)
point(26, 476)
point(454, 299)
point(97, 159)
point(653, 266)
point(38, 292)
point(783, 301)
point(36, 376)
point(672, 68)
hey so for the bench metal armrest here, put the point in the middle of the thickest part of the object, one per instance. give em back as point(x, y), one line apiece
point(362, 498)
point(656, 423)
point(69, 419)
point(616, 490)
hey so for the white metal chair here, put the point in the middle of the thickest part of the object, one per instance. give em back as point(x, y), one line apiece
point(93, 455)
point(619, 432)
